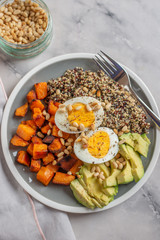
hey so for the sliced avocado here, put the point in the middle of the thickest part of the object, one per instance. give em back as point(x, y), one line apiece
point(140, 145)
point(96, 203)
point(128, 139)
point(110, 191)
point(126, 175)
point(111, 181)
point(81, 195)
point(105, 169)
point(144, 136)
point(136, 163)
point(85, 173)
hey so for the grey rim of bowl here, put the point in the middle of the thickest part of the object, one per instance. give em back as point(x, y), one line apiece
point(38, 196)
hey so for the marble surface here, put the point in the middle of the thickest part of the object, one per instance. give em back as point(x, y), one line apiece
point(129, 31)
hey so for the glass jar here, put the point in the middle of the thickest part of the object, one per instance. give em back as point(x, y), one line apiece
point(24, 51)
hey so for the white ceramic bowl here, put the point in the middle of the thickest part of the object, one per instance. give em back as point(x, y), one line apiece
point(61, 197)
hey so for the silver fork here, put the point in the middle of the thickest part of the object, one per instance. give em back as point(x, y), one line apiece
point(117, 73)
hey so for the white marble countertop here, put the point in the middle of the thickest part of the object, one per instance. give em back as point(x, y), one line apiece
point(129, 31)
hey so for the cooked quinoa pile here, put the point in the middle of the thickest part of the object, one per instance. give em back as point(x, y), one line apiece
point(120, 108)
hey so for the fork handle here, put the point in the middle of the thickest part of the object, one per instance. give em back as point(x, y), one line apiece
point(153, 116)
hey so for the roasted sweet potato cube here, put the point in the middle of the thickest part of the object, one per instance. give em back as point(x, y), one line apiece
point(17, 141)
point(23, 158)
point(57, 104)
point(30, 149)
point(31, 96)
point(45, 175)
point(55, 130)
point(48, 159)
point(38, 117)
point(31, 123)
point(25, 132)
point(52, 167)
point(63, 178)
point(45, 129)
point(55, 146)
point(41, 90)
point(67, 162)
point(76, 167)
point(65, 135)
point(36, 139)
point(52, 119)
point(52, 108)
point(39, 150)
point(35, 165)
point(36, 103)
point(21, 111)
point(48, 139)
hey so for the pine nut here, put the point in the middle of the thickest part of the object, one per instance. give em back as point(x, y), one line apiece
point(92, 126)
point(78, 139)
point(124, 128)
point(88, 108)
point(67, 144)
point(47, 116)
point(85, 89)
point(122, 141)
point(39, 134)
point(75, 124)
point(58, 92)
point(120, 160)
point(69, 148)
point(60, 154)
point(124, 163)
point(62, 110)
point(73, 129)
point(69, 173)
point(96, 174)
point(117, 162)
point(66, 151)
point(49, 132)
point(62, 106)
point(78, 108)
point(62, 141)
point(120, 133)
point(84, 141)
point(98, 93)
point(69, 107)
point(107, 164)
point(60, 134)
point(70, 140)
point(96, 108)
point(108, 106)
point(54, 162)
point(50, 124)
point(115, 130)
point(81, 127)
point(118, 155)
point(93, 169)
point(82, 134)
point(98, 169)
point(102, 176)
point(103, 104)
point(120, 166)
point(115, 165)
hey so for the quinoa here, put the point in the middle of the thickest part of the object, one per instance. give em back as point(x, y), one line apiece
point(120, 108)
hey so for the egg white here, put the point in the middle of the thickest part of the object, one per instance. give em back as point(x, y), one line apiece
point(85, 156)
point(61, 119)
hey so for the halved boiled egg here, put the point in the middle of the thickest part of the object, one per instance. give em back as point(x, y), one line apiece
point(102, 146)
point(79, 114)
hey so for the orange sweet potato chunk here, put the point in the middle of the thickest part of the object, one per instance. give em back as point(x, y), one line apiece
point(21, 111)
point(38, 117)
point(17, 141)
point(63, 178)
point(65, 135)
point(31, 96)
point(55, 130)
point(48, 159)
point(57, 104)
point(52, 167)
point(52, 119)
point(45, 129)
point(30, 149)
point(23, 158)
point(35, 165)
point(36, 103)
point(52, 108)
point(25, 132)
point(36, 139)
point(39, 150)
point(76, 167)
point(41, 90)
point(55, 146)
point(67, 162)
point(31, 123)
point(45, 175)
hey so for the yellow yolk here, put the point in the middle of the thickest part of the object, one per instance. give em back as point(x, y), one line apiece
point(79, 114)
point(98, 144)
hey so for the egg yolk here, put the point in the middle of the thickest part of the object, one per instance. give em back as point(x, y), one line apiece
point(79, 114)
point(98, 144)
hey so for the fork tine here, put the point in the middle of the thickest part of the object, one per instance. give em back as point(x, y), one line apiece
point(106, 63)
point(99, 63)
point(102, 63)
point(116, 65)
